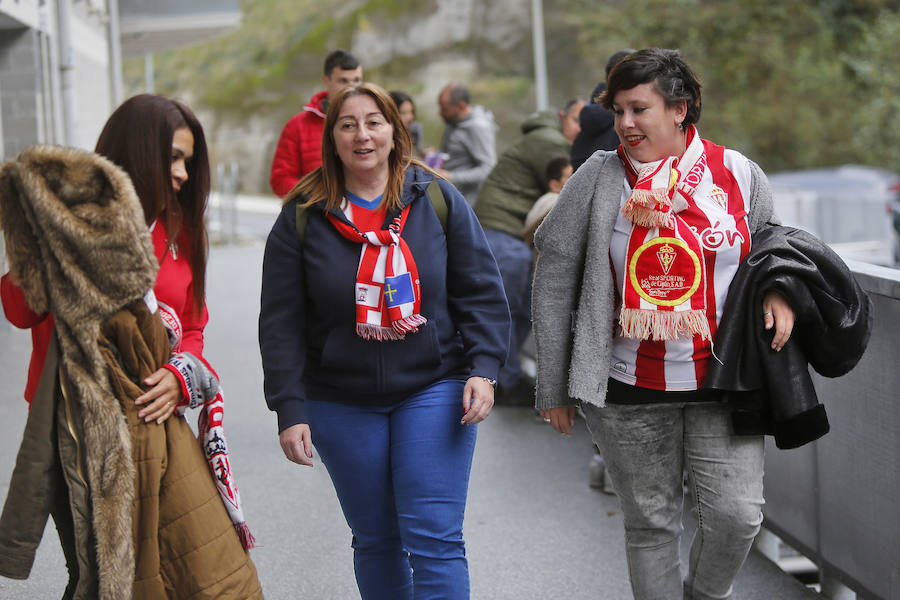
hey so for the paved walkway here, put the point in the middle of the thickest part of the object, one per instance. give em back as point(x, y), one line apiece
point(534, 528)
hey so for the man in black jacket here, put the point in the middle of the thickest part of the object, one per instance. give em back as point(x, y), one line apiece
point(597, 123)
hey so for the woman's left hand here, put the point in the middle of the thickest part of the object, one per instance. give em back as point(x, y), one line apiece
point(777, 313)
point(162, 397)
point(478, 400)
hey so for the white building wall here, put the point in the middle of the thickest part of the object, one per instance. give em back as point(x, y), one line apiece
point(93, 96)
point(93, 103)
point(19, 84)
point(26, 12)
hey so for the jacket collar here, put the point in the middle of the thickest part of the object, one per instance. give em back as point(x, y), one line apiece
point(317, 104)
point(414, 185)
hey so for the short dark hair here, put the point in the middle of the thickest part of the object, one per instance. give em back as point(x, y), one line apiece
point(340, 59)
point(556, 167)
point(616, 58)
point(458, 92)
point(400, 97)
point(668, 72)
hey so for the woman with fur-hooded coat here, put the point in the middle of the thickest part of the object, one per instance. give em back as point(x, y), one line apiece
point(130, 489)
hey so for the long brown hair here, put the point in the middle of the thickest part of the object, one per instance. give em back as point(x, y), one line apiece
point(138, 138)
point(326, 184)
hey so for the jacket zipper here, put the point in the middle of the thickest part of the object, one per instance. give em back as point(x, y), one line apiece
point(71, 427)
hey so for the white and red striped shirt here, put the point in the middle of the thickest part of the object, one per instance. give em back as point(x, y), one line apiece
point(717, 215)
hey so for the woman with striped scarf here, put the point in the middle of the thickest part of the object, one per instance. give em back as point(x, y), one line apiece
point(634, 267)
point(382, 327)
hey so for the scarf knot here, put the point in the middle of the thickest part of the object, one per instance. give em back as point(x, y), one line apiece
point(656, 195)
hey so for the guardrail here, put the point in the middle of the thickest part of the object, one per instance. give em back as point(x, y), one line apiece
point(837, 500)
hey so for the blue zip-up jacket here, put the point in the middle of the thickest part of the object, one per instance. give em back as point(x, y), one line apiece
point(307, 321)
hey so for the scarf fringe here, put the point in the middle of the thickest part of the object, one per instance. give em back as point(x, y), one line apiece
point(378, 333)
point(396, 331)
point(243, 533)
point(663, 325)
point(649, 208)
point(409, 324)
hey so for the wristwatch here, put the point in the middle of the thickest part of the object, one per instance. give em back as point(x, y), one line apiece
point(493, 382)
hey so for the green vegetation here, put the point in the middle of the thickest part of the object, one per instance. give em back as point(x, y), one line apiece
point(791, 83)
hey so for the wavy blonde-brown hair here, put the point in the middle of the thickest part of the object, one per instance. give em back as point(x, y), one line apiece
point(326, 184)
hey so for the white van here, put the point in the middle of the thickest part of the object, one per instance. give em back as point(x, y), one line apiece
point(854, 209)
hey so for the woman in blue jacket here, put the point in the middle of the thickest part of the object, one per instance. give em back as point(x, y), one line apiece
point(382, 328)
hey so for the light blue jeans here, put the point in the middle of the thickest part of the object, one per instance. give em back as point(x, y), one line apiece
point(647, 447)
point(401, 474)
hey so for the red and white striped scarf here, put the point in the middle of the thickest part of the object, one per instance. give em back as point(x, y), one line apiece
point(210, 432)
point(388, 292)
point(664, 292)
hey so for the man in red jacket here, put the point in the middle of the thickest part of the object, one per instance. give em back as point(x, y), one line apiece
point(299, 149)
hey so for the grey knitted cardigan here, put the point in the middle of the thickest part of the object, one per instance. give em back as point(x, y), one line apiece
point(573, 301)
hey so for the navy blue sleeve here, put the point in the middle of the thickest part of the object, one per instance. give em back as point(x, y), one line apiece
point(282, 340)
point(474, 288)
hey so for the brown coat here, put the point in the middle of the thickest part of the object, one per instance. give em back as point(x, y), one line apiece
point(79, 249)
point(185, 542)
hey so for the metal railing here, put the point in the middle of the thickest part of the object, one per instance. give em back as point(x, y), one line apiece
point(837, 500)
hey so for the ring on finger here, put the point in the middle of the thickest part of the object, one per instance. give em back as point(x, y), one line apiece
point(767, 314)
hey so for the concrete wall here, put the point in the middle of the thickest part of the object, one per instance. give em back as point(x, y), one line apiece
point(30, 107)
point(838, 499)
point(175, 8)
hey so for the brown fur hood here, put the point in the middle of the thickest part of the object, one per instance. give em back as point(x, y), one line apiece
point(79, 248)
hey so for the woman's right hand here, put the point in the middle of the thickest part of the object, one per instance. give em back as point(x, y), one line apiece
point(296, 444)
point(561, 418)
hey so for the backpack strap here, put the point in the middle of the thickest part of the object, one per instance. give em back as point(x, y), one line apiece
point(435, 195)
point(438, 202)
point(302, 216)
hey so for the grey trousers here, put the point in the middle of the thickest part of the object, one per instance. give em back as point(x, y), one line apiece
point(647, 447)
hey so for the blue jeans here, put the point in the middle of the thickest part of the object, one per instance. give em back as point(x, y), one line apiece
point(647, 447)
point(401, 474)
point(514, 258)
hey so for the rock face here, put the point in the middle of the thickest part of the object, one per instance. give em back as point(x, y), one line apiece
point(459, 40)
